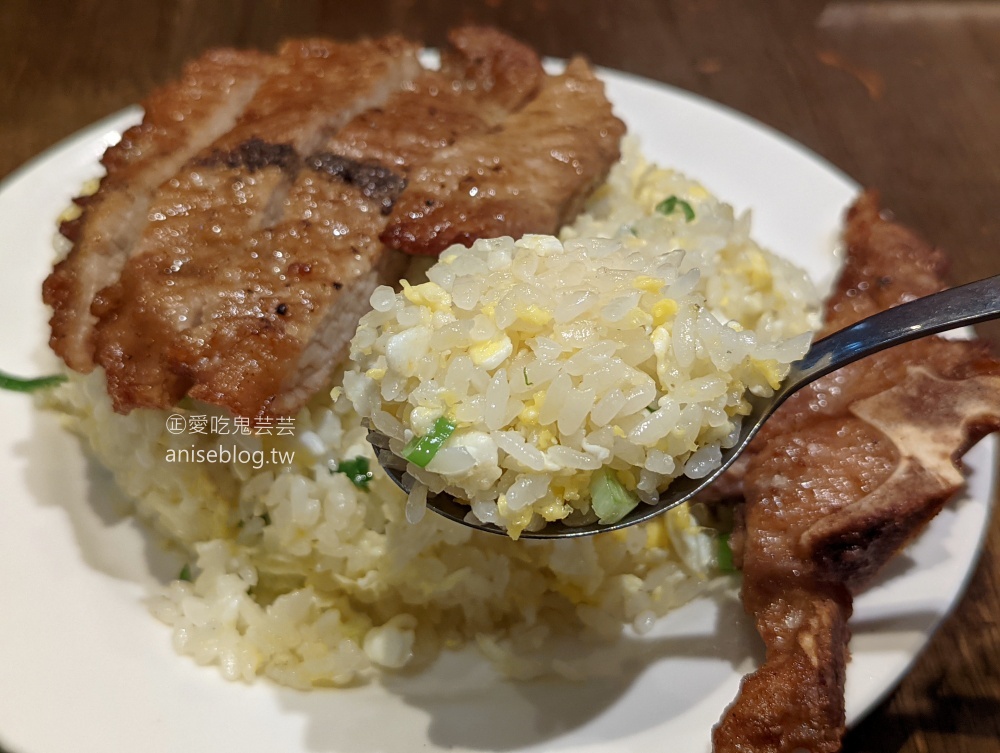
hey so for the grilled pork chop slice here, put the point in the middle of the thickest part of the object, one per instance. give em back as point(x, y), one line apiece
point(198, 266)
point(530, 174)
point(228, 322)
point(484, 76)
point(852, 471)
point(262, 250)
point(180, 120)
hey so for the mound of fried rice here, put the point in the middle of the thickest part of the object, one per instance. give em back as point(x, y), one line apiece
point(312, 576)
point(620, 354)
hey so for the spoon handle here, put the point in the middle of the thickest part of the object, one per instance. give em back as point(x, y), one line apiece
point(956, 307)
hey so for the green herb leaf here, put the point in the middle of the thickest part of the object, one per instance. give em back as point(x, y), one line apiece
point(526, 377)
point(185, 573)
point(610, 500)
point(17, 384)
point(357, 470)
point(724, 554)
point(421, 450)
point(671, 204)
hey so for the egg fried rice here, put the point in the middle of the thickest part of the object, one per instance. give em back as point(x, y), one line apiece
point(303, 566)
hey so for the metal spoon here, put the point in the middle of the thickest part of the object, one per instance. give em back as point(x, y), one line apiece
point(947, 310)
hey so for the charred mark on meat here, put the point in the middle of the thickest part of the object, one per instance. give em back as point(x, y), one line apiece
point(375, 181)
point(255, 154)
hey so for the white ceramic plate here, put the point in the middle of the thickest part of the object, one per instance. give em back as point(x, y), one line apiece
point(85, 668)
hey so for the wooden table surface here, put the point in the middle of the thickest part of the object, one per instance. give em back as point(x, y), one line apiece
point(904, 96)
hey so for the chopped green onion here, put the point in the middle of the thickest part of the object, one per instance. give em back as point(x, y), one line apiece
point(670, 205)
point(610, 500)
point(421, 450)
point(526, 382)
point(356, 470)
point(8, 382)
point(724, 554)
point(185, 573)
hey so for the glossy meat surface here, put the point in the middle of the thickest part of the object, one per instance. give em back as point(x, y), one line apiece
point(529, 174)
point(238, 259)
point(848, 472)
point(180, 120)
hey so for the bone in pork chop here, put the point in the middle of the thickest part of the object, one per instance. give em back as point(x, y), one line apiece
point(849, 471)
point(257, 255)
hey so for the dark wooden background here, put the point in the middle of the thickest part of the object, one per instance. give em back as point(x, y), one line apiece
point(902, 95)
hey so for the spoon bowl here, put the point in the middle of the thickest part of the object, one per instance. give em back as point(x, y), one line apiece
point(950, 309)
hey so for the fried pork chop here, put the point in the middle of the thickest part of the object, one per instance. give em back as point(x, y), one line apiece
point(180, 120)
point(849, 470)
point(241, 228)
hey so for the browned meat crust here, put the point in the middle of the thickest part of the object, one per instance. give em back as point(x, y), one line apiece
point(850, 470)
point(529, 174)
point(230, 258)
point(797, 695)
point(196, 308)
point(180, 120)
